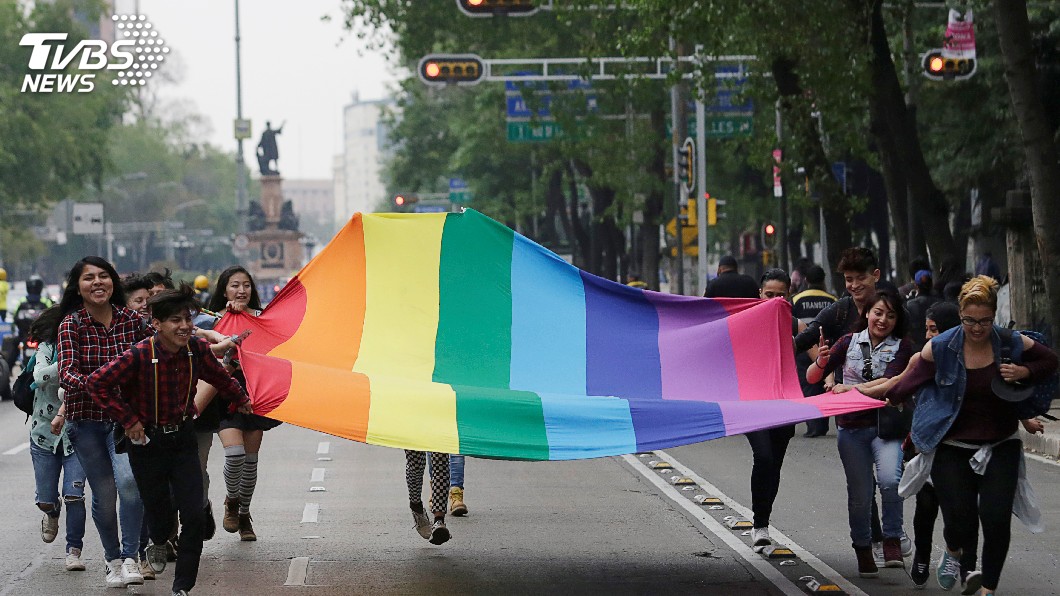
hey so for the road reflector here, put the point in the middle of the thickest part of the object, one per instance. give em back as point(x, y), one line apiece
point(816, 587)
point(662, 465)
point(317, 489)
point(684, 481)
point(646, 454)
point(778, 552)
point(689, 488)
point(705, 500)
point(740, 524)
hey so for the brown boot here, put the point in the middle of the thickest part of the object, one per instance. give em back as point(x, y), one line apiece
point(246, 529)
point(456, 502)
point(231, 519)
point(866, 562)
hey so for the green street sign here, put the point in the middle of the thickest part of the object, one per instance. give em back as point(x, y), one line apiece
point(533, 132)
point(727, 126)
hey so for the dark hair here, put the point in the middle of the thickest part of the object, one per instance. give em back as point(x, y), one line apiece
point(945, 314)
point(170, 302)
point(218, 300)
point(952, 291)
point(925, 285)
point(891, 298)
point(776, 274)
point(815, 275)
point(46, 326)
point(164, 279)
point(919, 263)
point(857, 258)
point(72, 299)
point(132, 283)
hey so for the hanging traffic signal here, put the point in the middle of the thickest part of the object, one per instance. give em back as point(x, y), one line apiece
point(491, 8)
point(712, 209)
point(686, 167)
point(938, 67)
point(451, 69)
point(769, 236)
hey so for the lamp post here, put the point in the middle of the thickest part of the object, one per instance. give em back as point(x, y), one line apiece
point(241, 176)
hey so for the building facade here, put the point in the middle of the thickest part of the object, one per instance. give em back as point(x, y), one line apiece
point(366, 145)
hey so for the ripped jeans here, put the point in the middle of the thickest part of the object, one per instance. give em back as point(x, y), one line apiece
point(47, 467)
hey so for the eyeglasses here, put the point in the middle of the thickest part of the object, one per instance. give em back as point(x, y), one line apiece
point(970, 322)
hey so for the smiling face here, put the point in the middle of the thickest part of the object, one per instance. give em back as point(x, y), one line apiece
point(174, 331)
point(882, 320)
point(137, 300)
point(238, 289)
point(860, 285)
point(931, 329)
point(95, 285)
point(977, 320)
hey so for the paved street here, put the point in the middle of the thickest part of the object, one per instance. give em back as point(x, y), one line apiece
point(600, 526)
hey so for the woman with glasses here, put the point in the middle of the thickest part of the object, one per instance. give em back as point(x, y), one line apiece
point(876, 349)
point(962, 418)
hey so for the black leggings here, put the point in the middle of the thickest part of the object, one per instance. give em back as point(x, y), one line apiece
point(767, 448)
point(966, 497)
point(415, 464)
point(927, 511)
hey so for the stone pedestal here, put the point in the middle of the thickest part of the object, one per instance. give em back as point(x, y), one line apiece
point(272, 253)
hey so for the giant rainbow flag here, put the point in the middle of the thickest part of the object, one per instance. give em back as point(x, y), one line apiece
point(449, 332)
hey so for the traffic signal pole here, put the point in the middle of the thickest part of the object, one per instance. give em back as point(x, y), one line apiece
point(701, 191)
point(679, 125)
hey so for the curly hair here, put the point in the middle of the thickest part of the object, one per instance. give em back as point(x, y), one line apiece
point(981, 289)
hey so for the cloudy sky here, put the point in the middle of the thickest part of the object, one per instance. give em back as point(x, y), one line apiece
point(295, 68)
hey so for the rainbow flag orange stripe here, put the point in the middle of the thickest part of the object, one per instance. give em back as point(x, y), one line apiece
point(450, 332)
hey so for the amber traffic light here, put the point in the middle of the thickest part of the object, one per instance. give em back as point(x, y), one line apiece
point(938, 67)
point(451, 69)
point(490, 8)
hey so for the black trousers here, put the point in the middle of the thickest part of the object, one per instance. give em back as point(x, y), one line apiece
point(767, 449)
point(927, 511)
point(169, 477)
point(966, 497)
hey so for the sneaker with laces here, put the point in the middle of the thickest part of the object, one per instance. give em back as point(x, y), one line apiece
point(948, 570)
point(156, 557)
point(456, 502)
point(73, 560)
point(892, 552)
point(113, 578)
point(180, 593)
point(130, 573)
point(866, 562)
point(921, 569)
point(49, 528)
point(439, 533)
point(145, 569)
point(971, 582)
point(423, 525)
point(877, 553)
point(907, 546)
point(760, 539)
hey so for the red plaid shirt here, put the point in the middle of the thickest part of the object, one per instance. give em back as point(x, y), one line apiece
point(177, 373)
point(85, 345)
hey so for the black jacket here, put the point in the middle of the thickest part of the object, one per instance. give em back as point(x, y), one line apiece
point(732, 284)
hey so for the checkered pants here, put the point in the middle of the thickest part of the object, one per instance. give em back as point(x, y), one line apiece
point(415, 464)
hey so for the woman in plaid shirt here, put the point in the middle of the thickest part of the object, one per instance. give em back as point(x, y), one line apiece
point(98, 328)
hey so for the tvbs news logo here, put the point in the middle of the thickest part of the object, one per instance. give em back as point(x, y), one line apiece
point(133, 59)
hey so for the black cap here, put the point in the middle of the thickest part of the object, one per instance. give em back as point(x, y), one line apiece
point(1014, 392)
point(727, 261)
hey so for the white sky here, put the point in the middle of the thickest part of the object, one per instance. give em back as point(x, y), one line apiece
point(295, 67)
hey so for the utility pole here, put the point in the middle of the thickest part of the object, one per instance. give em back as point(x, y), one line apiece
point(679, 125)
point(778, 191)
point(241, 175)
point(701, 190)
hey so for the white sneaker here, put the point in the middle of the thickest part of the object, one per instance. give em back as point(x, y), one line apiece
point(760, 539)
point(49, 528)
point(877, 553)
point(907, 546)
point(114, 574)
point(73, 560)
point(130, 573)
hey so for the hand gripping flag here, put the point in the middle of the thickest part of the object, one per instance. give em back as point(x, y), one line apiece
point(451, 333)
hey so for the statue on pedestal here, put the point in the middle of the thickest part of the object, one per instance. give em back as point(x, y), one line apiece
point(268, 154)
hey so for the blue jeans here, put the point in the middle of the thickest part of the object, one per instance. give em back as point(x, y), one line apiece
point(456, 470)
point(862, 453)
point(110, 477)
point(46, 469)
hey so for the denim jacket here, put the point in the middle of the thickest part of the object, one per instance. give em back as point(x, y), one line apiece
point(938, 403)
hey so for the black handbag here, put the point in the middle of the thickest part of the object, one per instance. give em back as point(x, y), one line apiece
point(891, 423)
point(121, 442)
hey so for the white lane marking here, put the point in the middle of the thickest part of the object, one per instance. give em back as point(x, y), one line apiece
point(310, 513)
point(318, 475)
point(823, 568)
point(297, 572)
point(323, 448)
point(19, 449)
point(1042, 458)
point(763, 566)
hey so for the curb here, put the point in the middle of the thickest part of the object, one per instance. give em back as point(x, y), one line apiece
point(1048, 443)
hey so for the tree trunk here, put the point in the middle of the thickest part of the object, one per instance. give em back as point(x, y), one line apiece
point(580, 249)
point(653, 206)
point(557, 206)
point(887, 101)
point(1039, 147)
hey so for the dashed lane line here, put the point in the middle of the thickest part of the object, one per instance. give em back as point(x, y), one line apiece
point(823, 568)
point(318, 475)
point(297, 572)
point(18, 449)
point(324, 447)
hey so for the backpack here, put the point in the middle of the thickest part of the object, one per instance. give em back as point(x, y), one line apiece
point(1044, 391)
point(22, 392)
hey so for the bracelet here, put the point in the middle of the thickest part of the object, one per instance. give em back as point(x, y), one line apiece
point(818, 363)
point(60, 415)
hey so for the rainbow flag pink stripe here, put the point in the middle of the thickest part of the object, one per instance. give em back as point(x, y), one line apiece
point(450, 332)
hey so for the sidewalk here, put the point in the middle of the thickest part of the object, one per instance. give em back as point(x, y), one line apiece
point(1046, 444)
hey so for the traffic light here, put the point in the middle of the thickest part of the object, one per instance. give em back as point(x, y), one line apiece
point(712, 209)
point(938, 67)
point(769, 236)
point(404, 200)
point(686, 167)
point(451, 69)
point(490, 8)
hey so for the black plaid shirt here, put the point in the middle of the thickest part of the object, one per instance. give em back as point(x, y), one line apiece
point(85, 345)
point(134, 373)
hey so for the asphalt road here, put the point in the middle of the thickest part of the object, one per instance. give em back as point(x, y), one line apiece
point(332, 518)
